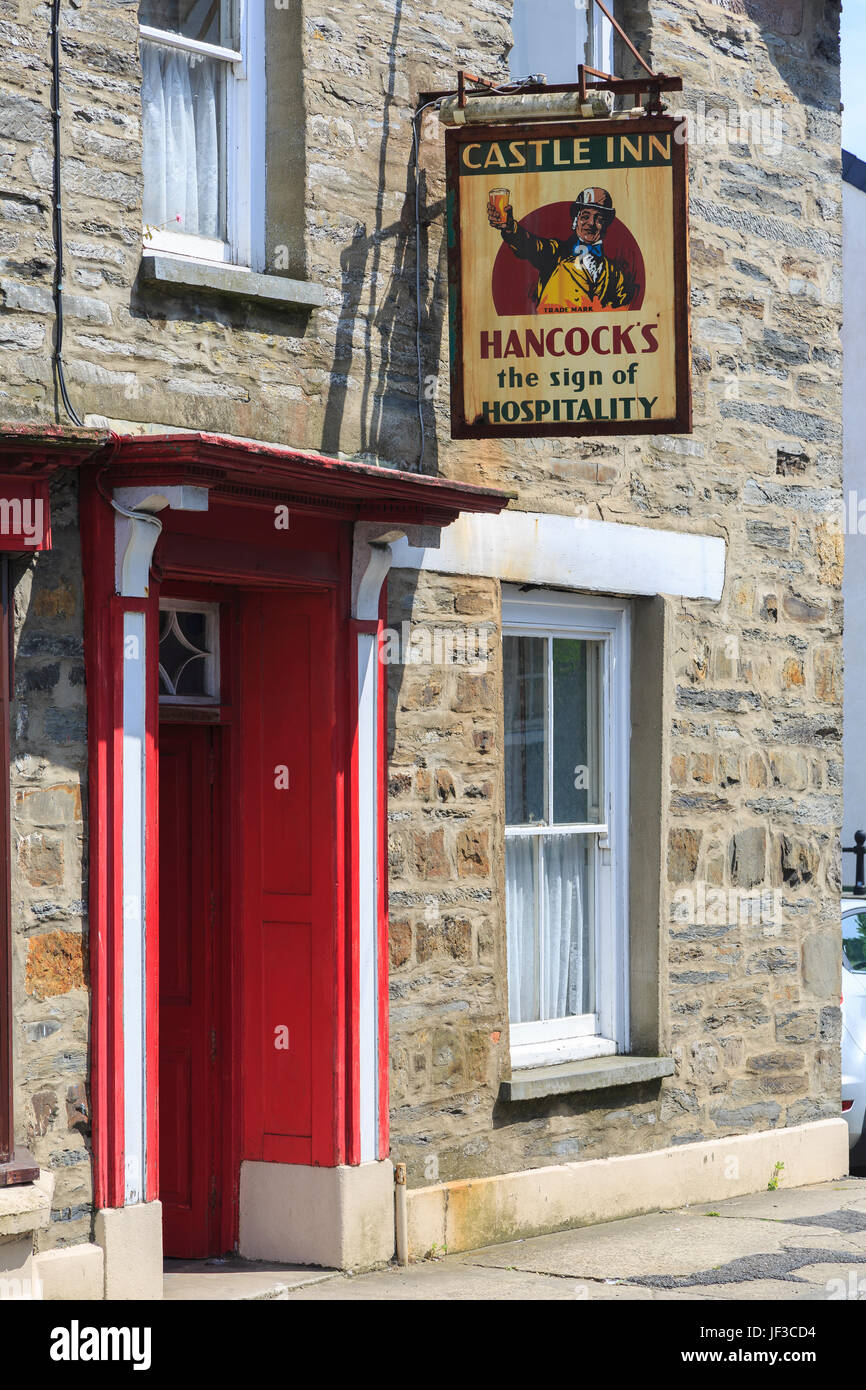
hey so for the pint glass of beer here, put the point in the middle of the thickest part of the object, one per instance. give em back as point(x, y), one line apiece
point(499, 198)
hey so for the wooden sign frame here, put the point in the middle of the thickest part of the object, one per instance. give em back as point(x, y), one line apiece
point(679, 420)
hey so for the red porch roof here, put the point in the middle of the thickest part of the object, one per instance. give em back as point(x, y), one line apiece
point(247, 469)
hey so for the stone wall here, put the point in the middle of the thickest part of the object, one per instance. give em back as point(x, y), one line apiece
point(49, 809)
point(449, 1004)
point(748, 994)
point(754, 724)
point(339, 379)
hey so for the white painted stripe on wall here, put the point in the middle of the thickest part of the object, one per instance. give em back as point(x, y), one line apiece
point(602, 557)
point(134, 921)
point(368, 870)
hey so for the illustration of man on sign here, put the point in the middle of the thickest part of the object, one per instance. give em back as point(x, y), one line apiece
point(574, 274)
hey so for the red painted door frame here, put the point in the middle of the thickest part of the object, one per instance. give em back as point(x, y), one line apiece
point(228, 972)
point(332, 1136)
point(220, 572)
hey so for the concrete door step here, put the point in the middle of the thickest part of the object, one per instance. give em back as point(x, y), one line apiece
point(237, 1280)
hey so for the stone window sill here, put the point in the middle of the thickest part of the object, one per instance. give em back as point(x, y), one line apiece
point(26, 1207)
point(595, 1074)
point(177, 273)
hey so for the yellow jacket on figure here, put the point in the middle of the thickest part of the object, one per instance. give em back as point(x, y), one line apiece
point(574, 275)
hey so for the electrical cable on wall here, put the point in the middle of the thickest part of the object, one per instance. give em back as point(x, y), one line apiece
point(515, 84)
point(58, 217)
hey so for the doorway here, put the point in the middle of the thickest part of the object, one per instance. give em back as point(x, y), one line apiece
point(248, 899)
point(190, 1021)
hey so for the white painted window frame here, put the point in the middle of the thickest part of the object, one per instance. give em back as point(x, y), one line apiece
point(211, 612)
point(546, 613)
point(594, 36)
point(244, 143)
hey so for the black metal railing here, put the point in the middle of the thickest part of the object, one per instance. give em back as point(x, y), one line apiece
point(858, 849)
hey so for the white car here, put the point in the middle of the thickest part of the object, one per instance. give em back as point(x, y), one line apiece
point(854, 1020)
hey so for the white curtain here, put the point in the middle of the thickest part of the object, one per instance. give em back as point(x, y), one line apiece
point(181, 129)
point(568, 964)
point(520, 928)
point(567, 939)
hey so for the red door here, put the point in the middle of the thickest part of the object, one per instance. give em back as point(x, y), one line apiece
point(291, 1063)
point(188, 1017)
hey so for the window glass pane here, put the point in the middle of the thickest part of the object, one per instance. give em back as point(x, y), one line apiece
point(183, 132)
point(186, 658)
point(577, 750)
point(525, 681)
point(854, 942)
point(568, 947)
point(209, 21)
point(520, 914)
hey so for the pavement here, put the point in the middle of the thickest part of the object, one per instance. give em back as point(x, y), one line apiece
point(805, 1244)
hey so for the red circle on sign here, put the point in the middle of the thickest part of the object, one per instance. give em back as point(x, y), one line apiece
point(515, 281)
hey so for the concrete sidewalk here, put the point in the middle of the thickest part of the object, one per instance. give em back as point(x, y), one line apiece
point(805, 1244)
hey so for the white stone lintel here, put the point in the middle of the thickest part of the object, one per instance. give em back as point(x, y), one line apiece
point(569, 552)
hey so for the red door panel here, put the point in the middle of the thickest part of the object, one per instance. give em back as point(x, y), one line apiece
point(286, 718)
point(186, 1005)
point(289, 799)
point(287, 977)
point(175, 1157)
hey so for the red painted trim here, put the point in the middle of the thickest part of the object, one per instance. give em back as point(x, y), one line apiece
point(104, 665)
point(211, 460)
point(250, 881)
point(285, 1148)
point(243, 562)
point(342, 863)
point(233, 952)
point(98, 571)
point(118, 606)
point(325, 979)
point(218, 459)
point(382, 920)
point(151, 862)
point(353, 951)
point(114, 974)
point(369, 627)
point(7, 1120)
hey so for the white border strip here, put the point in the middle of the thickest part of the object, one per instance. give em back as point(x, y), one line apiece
point(134, 915)
point(574, 553)
point(368, 906)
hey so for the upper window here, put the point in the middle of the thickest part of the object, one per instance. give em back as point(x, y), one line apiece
point(565, 678)
point(202, 105)
point(188, 653)
point(554, 36)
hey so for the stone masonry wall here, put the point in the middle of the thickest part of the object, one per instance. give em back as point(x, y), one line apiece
point(50, 951)
point(755, 777)
point(749, 1008)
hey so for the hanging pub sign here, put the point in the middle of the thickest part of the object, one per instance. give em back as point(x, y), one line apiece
point(568, 271)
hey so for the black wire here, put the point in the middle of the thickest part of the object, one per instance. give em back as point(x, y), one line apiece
point(58, 218)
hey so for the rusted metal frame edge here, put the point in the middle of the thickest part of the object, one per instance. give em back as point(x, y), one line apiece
point(626, 85)
point(624, 36)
